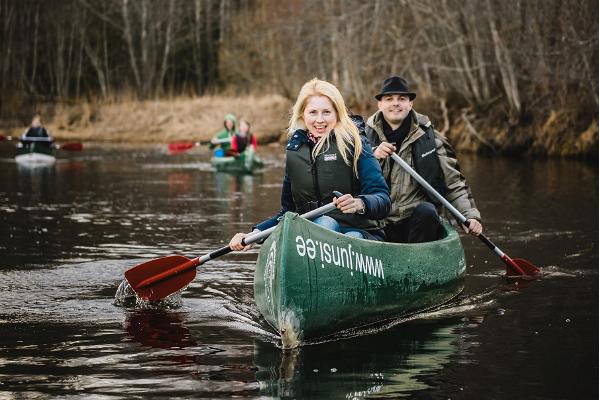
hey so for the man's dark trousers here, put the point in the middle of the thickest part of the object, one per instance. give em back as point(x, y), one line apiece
point(422, 226)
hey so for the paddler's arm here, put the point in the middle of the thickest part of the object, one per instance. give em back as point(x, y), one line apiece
point(375, 192)
point(287, 204)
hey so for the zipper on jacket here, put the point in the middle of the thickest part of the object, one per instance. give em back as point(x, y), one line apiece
point(315, 177)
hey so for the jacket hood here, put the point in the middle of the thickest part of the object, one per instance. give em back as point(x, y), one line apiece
point(230, 117)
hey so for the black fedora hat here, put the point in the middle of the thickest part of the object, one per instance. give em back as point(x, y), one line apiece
point(395, 85)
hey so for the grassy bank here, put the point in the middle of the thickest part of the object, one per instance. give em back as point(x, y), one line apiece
point(557, 133)
point(162, 121)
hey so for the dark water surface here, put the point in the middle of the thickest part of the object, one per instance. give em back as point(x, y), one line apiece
point(68, 233)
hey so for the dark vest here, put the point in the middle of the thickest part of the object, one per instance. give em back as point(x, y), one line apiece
point(39, 131)
point(242, 142)
point(425, 159)
point(427, 162)
point(313, 181)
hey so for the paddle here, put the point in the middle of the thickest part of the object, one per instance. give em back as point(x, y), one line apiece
point(71, 146)
point(182, 146)
point(515, 266)
point(158, 278)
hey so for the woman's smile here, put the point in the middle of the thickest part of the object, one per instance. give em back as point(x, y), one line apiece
point(319, 115)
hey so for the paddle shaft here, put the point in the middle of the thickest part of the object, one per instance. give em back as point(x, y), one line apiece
point(258, 236)
point(249, 239)
point(461, 218)
point(71, 146)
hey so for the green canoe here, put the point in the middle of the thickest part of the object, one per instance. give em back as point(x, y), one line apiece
point(311, 282)
point(245, 163)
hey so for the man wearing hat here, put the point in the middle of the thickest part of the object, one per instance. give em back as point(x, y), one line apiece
point(396, 127)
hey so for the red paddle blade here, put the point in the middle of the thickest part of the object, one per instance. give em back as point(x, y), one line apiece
point(156, 279)
point(520, 267)
point(75, 146)
point(180, 147)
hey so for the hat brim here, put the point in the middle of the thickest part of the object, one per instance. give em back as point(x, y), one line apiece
point(411, 95)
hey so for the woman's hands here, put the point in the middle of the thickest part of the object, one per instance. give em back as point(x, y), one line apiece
point(236, 242)
point(349, 205)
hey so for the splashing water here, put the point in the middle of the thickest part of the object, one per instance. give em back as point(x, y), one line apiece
point(127, 298)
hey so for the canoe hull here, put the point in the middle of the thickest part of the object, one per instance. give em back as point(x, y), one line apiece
point(311, 282)
point(246, 163)
point(35, 153)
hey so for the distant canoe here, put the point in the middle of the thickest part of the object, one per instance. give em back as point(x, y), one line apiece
point(311, 282)
point(35, 151)
point(246, 163)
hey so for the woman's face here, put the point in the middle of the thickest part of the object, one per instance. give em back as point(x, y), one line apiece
point(244, 128)
point(319, 115)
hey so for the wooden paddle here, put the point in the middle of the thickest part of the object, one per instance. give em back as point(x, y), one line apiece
point(156, 279)
point(515, 266)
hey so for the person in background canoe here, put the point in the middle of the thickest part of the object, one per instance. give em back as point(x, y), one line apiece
point(36, 129)
point(325, 152)
point(242, 139)
point(222, 139)
point(396, 127)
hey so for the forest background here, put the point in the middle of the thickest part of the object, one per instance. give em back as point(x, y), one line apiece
point(500, 77)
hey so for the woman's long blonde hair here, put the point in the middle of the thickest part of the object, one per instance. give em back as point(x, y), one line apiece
point(346, 133)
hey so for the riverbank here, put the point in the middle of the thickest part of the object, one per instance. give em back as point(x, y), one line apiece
point(163, 120)
point(553, 133)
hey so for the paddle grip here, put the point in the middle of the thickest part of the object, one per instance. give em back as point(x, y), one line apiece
point(220, 252)
point(487, 241)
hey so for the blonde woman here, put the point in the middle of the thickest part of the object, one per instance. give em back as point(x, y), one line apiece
point(325, 152)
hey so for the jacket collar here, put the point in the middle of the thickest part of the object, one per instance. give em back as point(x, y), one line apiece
point(300, 137)
point(375, 121)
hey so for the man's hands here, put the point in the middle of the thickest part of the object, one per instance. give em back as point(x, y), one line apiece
point(473, 227)
point(384, 150)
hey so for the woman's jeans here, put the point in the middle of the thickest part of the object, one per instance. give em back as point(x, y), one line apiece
point(330, 223)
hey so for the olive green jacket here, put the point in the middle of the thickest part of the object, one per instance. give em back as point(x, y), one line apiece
point(406, 193)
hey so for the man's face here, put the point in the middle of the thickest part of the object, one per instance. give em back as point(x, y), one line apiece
point(395, 107)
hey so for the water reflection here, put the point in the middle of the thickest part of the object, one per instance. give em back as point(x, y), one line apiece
point(160, 329)
point(180, 183)
point(36, 181)
point(226, 184)
point(390, 364)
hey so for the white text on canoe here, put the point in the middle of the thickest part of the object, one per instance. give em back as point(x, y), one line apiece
point(339, 256)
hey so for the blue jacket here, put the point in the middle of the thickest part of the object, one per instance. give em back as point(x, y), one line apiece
point(374, 190)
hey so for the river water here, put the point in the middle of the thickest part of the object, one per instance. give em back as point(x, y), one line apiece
point(69, 232)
